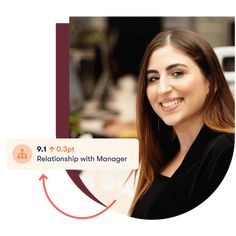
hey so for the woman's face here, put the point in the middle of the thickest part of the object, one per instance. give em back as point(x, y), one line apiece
point(176, 87)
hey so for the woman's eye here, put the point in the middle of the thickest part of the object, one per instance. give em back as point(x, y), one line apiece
point(177, 74)
point(153, 79)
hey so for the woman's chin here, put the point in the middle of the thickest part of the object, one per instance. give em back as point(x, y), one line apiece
point(170, 122)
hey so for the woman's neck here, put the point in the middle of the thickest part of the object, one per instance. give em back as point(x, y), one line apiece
point(187, 134)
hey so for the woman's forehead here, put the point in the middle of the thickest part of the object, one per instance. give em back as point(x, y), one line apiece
point(167, 55)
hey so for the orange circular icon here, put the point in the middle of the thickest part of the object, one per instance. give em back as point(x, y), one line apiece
point(22, 153)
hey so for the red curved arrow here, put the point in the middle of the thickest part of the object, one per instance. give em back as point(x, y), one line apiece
point(43, 177)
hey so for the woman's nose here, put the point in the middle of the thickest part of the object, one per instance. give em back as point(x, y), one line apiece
point(164, 86)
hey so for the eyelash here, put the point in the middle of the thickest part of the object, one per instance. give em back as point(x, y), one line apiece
point(150, 80)
point(176, 74)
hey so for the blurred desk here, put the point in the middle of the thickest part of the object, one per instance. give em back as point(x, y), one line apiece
point(108, 128)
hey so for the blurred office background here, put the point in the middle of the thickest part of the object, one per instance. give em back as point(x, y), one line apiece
point(105, 54)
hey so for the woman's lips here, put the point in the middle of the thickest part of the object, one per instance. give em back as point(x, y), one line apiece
point(170, 104)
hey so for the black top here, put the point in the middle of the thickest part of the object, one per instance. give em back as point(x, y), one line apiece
point(200, 173)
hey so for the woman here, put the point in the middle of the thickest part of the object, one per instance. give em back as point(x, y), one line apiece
point(185, 122)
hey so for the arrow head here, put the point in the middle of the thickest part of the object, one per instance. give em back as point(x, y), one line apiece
point(43, 177)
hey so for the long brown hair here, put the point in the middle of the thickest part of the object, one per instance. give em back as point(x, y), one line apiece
point(155, 137)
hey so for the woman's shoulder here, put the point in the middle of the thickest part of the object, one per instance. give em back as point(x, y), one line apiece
point(225, 138)
point(217, 154)
point(216, 161)
point(221, 142)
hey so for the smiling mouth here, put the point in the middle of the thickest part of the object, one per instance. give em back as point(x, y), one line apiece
point(171, 103)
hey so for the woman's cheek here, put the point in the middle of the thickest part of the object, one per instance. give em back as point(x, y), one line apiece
point(150, 94)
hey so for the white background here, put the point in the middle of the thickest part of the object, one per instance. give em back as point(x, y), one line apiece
point(27, 105)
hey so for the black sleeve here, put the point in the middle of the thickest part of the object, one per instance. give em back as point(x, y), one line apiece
point(212, 170)
point(218, 169)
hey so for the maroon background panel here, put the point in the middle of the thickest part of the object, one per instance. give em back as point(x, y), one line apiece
point(62, 97)
point(62, 80)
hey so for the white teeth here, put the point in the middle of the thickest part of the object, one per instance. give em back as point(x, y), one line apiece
point(172, 103)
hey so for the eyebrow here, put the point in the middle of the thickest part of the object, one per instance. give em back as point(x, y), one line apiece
point(167, 68)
